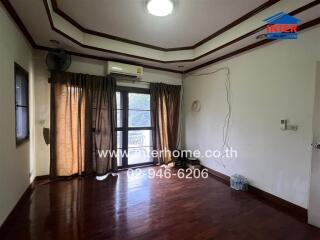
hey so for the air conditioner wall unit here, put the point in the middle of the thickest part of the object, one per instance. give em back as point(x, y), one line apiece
point(124, 69)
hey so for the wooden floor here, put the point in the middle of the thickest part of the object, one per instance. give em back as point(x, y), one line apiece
point(139, 208)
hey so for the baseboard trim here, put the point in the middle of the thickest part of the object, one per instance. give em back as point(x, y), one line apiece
point(41, 178)
point(219, 176)
point(296, 211)
point(26, 196)
point(7, 224)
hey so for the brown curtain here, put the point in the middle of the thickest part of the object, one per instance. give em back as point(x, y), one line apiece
point(82, 122)
point(102, 97)
point(166, 107)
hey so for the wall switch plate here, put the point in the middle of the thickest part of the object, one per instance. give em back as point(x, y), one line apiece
point(284, 126)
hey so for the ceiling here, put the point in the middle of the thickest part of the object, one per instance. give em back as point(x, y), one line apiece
point(191, 22)
point(198, 32)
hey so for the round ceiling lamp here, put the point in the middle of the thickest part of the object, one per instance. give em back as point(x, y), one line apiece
point(160, 8)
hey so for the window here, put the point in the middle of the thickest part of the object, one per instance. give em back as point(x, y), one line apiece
point(22, 104)
point(134, 130)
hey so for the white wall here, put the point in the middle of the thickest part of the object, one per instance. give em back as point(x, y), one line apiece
point(268, 84)
point(15, 162)
point(314, 200)
point(42, 114)
point(42, 97)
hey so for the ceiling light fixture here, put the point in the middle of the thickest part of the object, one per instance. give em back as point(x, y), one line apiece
point(160, 8)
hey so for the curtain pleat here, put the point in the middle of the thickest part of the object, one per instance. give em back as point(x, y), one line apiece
point(103, 102)
point(165, 119)
point(82, 123)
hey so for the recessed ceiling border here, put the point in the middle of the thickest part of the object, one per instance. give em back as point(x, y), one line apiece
point(302, 27)
point(294, 12)
point(28, 36)
point(234, 23)
point(88, 46)
point(12, 12)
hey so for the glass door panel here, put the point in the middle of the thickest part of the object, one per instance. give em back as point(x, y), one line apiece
point(134, 123)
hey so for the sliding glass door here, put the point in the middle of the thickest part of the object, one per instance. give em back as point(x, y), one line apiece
point(134, 128)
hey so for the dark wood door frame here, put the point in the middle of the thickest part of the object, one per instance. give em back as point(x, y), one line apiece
point(125, 122)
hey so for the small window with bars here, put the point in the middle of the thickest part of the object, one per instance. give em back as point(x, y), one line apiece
point(22, 104)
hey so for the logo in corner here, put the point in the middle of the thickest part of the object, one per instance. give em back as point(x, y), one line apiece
point(282, 26)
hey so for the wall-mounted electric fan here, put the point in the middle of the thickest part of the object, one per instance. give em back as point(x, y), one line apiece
point(58, 60)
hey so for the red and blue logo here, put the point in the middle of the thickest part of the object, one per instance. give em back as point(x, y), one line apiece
point(282, 26)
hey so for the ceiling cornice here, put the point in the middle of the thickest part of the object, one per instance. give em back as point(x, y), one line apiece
point(83, 55)
point(246, 16)
point(18, 21)
point(28, 36)
point(302, 27)
point(88, 46)
point(24, 30)
point(244, 36)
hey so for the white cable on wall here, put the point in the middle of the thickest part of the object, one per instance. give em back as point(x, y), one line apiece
point(226, 125)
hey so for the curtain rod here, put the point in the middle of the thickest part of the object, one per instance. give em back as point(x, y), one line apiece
point(124, 78)
point(132, 80)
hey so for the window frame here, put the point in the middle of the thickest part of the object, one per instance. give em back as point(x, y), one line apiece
point(21, 71)
point(124, 95)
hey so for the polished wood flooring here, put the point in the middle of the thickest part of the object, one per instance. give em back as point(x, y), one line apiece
point(141, 208)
